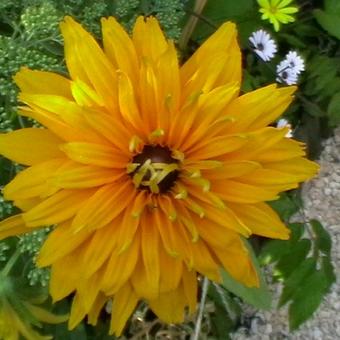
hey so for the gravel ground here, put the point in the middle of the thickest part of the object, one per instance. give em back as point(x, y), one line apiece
point(322, 201)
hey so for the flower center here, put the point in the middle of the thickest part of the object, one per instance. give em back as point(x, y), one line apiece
point(154, 169)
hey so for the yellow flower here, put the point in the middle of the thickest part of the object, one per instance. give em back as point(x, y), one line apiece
point(276, 11)
point(15, 323)
point(152, 172)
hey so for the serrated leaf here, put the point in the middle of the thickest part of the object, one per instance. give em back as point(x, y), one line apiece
point(328, 21)
point(272, 251)
point(328, 270)
point(333, 110)
point(332, 6)
point(307, 299)
point(323, 240)
point(258, 297)
point(294, 281)
point(285, 206)
point(290, 261)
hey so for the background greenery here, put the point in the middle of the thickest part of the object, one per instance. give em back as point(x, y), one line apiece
point(29, 36)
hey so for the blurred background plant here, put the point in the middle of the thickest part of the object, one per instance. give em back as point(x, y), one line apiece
point(29, 36)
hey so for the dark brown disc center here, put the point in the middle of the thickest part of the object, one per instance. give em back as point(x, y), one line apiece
point(156, 154)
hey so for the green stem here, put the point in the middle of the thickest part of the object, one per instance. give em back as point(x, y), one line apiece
point(11, 262)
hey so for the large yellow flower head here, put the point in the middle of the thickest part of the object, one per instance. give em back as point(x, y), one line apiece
point(151, 172)
point(277, 12)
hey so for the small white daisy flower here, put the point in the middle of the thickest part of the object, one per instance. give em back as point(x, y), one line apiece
point(286, 74)
point(295, 62)
point(263, 44)
point(282, 123)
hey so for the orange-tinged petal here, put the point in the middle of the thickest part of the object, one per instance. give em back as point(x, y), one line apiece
point(127, 102)
point(203, 261)
point(64, 277)
point(189, 280)
point(261, 220)
point(54, 123)
point(84, 95)
point(120, 267)
point(60, 242)
point(233, 191)
point(104, 206)
point(86, 61)
point(235, 259)
point(32, 181)
point(30, 146)
point(57, 208)
point(223, 40)
point(216, 147)
point(123, 305)
point(76, 176)
point(95, 154)
point(232, 169)
point(100, 248)
point(171, 271)
point(96, 308)
point(156, 42)
point(11, 226)
point(119, 48)
point(71, 113)
point(34, 81)
point(169, 306)
point(300, 167)
point(150, 252)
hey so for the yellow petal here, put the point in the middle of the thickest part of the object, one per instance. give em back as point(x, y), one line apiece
point(223, 40)
point(236, 261)
point(100, 248)
point(64, 277)
point(60, 242)
point(261, 220)
point(120, 267)
point(57, 208)
point(119, 48)
point(11, 226)
point(32, 181)
point(86, 61)
point(189, 281)
point(105, 205)
point(95, 154)
point(171, 271)
point(150, 252)
point(30, 146)
point(76, 176)
point(34, 81)
point(233, 191)
point(148, 28)
point(169, 306)
point(123, 305)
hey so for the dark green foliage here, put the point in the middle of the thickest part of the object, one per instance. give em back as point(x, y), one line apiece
point(304, 267)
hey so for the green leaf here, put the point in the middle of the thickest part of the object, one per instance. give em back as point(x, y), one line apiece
point(333, 110)
point(323, 240)
point(329, 21)
point(272, 251)
point(294, 281)
point(332, 6)
point(290, 261)
point(218, 11)
point(307, 299)
point(258, 297)
point(285, 206)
